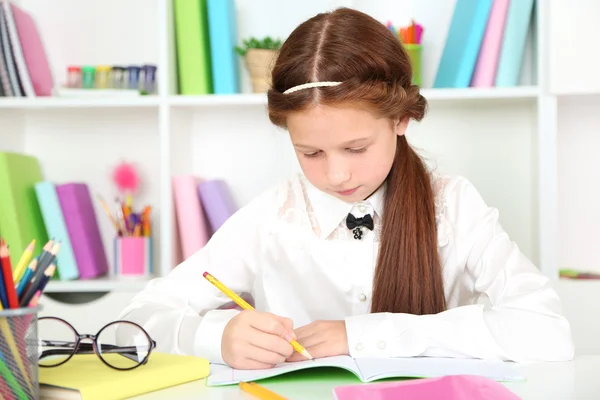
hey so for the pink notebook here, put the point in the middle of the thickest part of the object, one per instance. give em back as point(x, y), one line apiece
point(484, 74)
point(456, 387)
point(33, 52)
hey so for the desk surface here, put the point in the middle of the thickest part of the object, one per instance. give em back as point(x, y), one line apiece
point(578, 379)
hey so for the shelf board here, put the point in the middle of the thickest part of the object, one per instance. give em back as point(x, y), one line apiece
point(521, 92)
point(246, 99)
point(78, 102)
point(104, 284)
point(218, 100)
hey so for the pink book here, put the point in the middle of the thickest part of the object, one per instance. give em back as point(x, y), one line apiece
point(454, 387)
point(191, 222)
point(80, 218)
point(33, 52)
point(484, 74)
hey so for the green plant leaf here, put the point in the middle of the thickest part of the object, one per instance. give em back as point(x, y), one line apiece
point(254, 43)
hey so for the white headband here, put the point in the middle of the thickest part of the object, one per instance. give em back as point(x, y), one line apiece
point(310, 85)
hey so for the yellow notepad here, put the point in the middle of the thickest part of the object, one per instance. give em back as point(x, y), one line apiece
point(87, 377)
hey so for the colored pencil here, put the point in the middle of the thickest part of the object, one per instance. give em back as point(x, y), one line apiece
point(10, 380)
point(8, 337)
point(37, 286)
point(9, 283)
point(26, 278)
point(260, 392)
point(23, 261)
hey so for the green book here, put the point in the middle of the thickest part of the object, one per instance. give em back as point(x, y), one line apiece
point(192, 45)
point(20, 216)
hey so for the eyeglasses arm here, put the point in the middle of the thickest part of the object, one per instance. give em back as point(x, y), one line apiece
point(129, 352)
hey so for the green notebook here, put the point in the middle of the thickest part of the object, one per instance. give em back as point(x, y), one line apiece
point(193, 51)
point(20, 216)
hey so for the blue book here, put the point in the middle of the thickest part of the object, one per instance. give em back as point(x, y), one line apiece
point(57, 229)
point(222, 28)
point(513, 43)
point(463, 41)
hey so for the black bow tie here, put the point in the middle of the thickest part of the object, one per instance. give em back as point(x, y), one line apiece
point(353, 222)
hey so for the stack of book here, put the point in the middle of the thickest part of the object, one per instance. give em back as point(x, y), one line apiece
point(485, 44)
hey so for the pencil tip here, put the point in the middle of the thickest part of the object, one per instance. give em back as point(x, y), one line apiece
point(307, 354)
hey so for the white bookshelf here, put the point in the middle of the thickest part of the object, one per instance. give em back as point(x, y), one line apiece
point(503, 139)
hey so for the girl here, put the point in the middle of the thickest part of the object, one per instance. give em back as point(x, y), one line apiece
point(366, 253)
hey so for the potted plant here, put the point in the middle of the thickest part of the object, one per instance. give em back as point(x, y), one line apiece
point(259, 55)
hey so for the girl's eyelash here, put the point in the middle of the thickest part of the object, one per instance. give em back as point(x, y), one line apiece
point(312, 155)
point(361, 150)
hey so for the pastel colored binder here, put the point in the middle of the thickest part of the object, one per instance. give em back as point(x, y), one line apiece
point(463, 42)
point(34, 54)
point(82, 226)
point(456, 387)
point(20, 217)
point(487, 61)
point(217, 201)
point(513, 43)
point(222, 25)
point(192, 45)
point(57, 229)
point(17, 49)
point(192, 225)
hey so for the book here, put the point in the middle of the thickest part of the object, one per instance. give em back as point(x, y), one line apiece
point(86, 377)
point(35, 59)
point(372, 369)
point(192, 225)
point(513, 43)
point(192, 47)
point(80, 218)
point(463, 42)
point(484, 74)
point(222, 26)
point(15, 41)
point(456, 387)
point(57, 229)
point(217, 201)
point(9, 61)
point(20, 216)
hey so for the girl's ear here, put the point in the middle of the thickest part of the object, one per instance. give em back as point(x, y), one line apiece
point(400, 126)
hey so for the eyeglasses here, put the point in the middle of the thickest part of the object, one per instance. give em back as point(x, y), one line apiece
point(121, 345)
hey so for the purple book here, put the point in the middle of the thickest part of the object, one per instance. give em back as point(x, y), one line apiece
point(217, 202)
point(82, 226)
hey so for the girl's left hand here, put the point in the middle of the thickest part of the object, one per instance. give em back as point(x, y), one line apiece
point(322, 339)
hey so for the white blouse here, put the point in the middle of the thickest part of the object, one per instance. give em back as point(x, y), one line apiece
point(290, 248)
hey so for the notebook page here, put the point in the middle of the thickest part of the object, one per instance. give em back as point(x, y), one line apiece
point(429, 367)
point(224, 375)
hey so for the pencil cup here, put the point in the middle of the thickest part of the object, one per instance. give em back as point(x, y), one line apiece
point(133, 256)
point(414, 53)
point(19, 353)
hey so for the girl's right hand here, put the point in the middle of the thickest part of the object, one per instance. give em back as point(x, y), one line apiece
point(257, 340)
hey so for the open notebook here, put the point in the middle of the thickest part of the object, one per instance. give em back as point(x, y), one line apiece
point(371, 369)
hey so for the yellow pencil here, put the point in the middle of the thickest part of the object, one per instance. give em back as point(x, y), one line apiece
point(22, 264)
point(242, 303)
point(110, 216)
point(259, 391)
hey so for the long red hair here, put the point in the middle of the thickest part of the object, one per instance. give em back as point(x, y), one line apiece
point(351, 47)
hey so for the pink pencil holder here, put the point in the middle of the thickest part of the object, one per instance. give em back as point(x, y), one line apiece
point(133, 256)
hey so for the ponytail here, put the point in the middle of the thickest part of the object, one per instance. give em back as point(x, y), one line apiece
point(408, 276)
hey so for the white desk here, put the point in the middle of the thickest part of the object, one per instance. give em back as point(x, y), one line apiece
point(579, 379)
